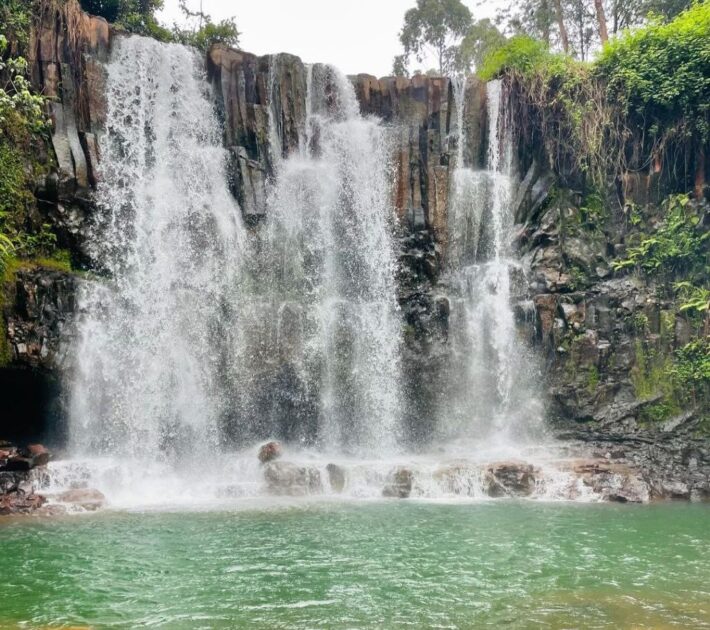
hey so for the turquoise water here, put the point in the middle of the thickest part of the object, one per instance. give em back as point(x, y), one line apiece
point(368, 565)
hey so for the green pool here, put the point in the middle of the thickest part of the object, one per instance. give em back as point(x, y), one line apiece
point(363, 565)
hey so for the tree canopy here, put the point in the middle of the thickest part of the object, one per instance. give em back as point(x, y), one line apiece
point(433, 26)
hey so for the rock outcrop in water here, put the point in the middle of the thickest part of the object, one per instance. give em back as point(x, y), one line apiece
point(596, 329)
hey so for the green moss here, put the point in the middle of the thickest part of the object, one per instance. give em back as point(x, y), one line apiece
point(592, 379)
point(650, 373)
point(659, 411)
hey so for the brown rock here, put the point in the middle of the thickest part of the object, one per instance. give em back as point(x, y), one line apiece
point(270, 451)
point(510, 479)
point(39, 454)
point(86, 498)
point(285, 478)
point(20, 503)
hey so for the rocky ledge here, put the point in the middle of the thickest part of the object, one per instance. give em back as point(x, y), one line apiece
point(598, 478)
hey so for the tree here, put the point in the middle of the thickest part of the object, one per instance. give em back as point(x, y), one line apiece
point(601, 18)
point(561, 25)
point(433, 26)
point(116, 10)
point(203, 32)
point(481, 40)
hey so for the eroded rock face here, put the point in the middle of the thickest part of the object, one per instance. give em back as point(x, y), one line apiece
point(19, 467)
point(66, 53)
point(39, 317)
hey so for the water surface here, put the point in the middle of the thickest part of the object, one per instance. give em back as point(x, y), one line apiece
point(363, 565)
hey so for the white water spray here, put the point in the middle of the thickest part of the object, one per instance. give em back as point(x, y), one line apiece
point(332, 262)
point(168, 236)
point(494, 398)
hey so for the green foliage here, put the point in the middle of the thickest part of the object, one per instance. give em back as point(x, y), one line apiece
point(20, 108)
point(592, 379)
point(649, 374)
point(694, 300)
point(22, 122)
point(676, 246)
point(111, 10)
point(522, 54)
point(481, 41)
point(691, 367)
point(136, 16)
point(433, 26)
point(202, 32)
point(660, 75)
point(15, 20)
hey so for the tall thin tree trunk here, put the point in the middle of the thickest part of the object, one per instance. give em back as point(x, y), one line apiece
point(601, 18)
point(561, 24)
point(700, 173)
point(545, 16)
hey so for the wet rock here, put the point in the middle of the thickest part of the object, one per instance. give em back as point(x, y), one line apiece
point(509, 479)
point(286, 478)
point(615, 482)
point(19, 502)
point(17, 463)
point(336, 477)
point(86, 498)
point(38, 453)
point(399, 484)
point(269, 452)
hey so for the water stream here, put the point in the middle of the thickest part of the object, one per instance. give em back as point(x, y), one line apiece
point(496, 398)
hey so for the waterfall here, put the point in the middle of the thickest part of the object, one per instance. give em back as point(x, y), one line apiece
point(331, 266)
point(492, 375)
point(167, 237)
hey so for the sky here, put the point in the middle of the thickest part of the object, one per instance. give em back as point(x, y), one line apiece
point(354, 35)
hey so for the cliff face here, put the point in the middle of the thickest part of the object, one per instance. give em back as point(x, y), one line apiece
point(586, 316)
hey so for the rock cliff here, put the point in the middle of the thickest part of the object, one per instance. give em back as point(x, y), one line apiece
point(597, 329)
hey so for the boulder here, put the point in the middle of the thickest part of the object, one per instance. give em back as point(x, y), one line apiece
point(19, 502)
point(399, 484)
point(86, 498)
point(616, 482)
point(509, 479)
point(269, 452)
point(40, 454)
point(286, 478)
point(336, 477)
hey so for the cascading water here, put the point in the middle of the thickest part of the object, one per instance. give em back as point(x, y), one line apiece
point(331, 275)
point(493, 398)
point(168, 237)
point(205, 336)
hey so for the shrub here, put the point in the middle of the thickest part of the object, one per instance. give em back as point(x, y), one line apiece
point(660, 74)
point(676, 246)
